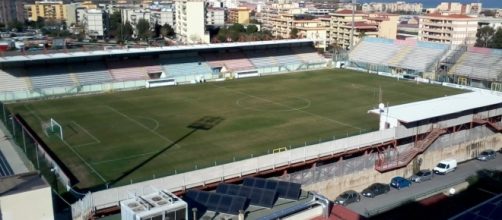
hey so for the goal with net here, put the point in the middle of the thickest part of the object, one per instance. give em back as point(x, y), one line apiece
point(52, 127)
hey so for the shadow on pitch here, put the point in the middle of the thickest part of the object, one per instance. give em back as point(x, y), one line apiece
point(205, 123)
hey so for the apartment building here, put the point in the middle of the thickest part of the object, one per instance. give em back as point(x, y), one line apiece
point(158, 16)
point(399, 6)
point(458, 8)
point(450, 29)
point(215, 16)
point(381, 25)
point(55, 10)
point(238, 15)
point(307, 26)
point(190, 21)
point(93, 21)
point(11, 10)
point(271, 12)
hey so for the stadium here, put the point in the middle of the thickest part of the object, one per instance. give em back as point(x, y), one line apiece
point(115, 121)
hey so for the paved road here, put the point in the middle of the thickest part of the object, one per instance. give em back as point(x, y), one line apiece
point(464, 170)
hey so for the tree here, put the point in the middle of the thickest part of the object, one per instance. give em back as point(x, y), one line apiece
point(239, 28)
point(124, 32)
point(167, 31)
point(18, 26)
point(115, 23)
point(251, 29)
point(143, 29)
point(484, 36)
point(497, 39)
point(293, 33)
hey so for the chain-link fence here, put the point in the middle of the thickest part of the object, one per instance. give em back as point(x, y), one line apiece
point(35, 150)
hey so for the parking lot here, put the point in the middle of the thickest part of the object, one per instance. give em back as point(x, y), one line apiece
point(394, 198)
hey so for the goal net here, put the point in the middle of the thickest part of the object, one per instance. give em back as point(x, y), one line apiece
point(52, 127)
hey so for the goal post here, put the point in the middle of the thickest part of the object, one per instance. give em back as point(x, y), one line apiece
point(53, 128)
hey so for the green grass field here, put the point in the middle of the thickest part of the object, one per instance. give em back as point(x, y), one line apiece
point(108, 135)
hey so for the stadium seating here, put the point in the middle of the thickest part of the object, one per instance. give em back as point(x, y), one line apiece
point(13, 80)
point(413, 55)
point(479, 63)
point(261, 58)
point(374, 52)
point(91, 73)
point(421, 58)
point(186, 68)
point(124, 70)
point(284, 56)
point(308, 55)
point(233, 61)
point(49, 77)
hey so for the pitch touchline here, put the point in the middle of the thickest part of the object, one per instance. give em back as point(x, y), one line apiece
point(85, 162)
point(69, 146)
point(286, 106)
point(123, 158)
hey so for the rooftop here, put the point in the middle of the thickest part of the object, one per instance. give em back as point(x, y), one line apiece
point(417, 111)
point(23, 58)
point(21, 183)
point(437, 15)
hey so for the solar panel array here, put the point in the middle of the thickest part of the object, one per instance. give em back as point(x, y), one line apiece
point(285, 190)
point(257, 196)
point(216, 202)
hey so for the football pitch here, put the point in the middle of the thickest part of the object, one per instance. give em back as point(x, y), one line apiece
point(138, 135)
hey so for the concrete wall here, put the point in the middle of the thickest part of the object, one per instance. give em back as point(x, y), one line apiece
point(457, 148)
point(34, 204)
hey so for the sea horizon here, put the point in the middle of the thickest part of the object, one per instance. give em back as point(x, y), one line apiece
point(434, 3)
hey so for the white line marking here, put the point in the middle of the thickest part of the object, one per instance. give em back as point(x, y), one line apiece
point(83, 160)
point(277, 103)
point(123, 158)
point(157, 124)
point(69, 146)
point(86, 131)
point(141, 125)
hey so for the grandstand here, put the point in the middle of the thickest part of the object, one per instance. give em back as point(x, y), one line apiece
point(92, 71)
point(404, 57)
point(478, 67)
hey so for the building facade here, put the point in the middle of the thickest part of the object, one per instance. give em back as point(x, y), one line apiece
point(238, 15)
point(449, 29)
point(158, 16)
point(93, 21)
point(11, 10)
point(458, 8)
point(46, 9)
point(365, 24)
point(215, 16)
point(190, 21)
point(414, 8)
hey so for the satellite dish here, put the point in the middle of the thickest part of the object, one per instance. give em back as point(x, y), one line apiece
point(381, 106)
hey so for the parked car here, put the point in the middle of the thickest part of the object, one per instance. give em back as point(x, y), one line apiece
point(422, 175)
point(445, 166)
point(486, 155)
point(400, 182)
point(348, 197)
point(375, 189)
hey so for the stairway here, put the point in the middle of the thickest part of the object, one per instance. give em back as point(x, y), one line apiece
point(404, 158)
point(487, 122)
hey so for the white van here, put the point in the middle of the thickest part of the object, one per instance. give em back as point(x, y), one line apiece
point(445, 166)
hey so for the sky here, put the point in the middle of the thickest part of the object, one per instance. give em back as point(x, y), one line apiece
point(434, 3)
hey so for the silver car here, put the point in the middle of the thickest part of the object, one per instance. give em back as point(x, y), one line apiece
point(486, 155)
point(422, 175)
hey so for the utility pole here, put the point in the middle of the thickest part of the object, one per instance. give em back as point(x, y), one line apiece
point(353, 25)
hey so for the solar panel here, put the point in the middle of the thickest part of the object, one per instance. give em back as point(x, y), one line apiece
point(216, 202)
point(285, 190)
point(257, 196)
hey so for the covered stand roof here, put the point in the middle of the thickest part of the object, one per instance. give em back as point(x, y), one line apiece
point(148, 50)
point(422, 110)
